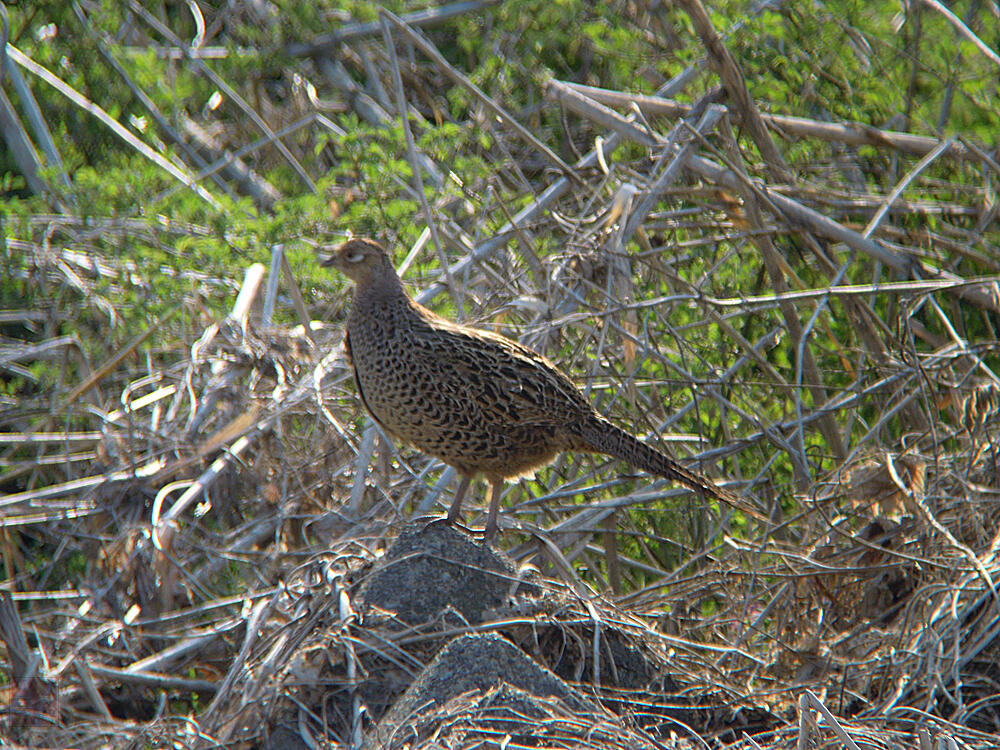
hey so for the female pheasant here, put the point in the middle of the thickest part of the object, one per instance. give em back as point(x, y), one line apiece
point(478, 401)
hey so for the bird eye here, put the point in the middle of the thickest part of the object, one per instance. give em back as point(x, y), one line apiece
point(355, 257)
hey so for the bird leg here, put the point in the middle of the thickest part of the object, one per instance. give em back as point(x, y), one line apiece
point(455, 511)
point(491, 518)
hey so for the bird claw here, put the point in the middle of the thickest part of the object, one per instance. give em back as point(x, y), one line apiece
point(444, 520)
point(487, 534)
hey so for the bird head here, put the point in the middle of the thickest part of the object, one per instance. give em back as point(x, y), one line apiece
point(362, 260)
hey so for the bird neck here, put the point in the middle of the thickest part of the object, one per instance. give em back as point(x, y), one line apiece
point(383, 282)
point(377, 293)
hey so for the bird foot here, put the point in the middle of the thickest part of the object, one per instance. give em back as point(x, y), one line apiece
point(490, 531)
point(444, 520)
point(487, 533)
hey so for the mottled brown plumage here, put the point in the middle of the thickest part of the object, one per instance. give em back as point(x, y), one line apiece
point(476, 400)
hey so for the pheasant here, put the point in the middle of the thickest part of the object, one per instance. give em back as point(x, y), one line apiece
point(478, 401)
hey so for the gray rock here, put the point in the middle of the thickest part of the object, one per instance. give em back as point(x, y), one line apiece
point(474, 663)
point(432, 567)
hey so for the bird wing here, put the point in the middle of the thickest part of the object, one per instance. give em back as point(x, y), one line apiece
point(510, 383)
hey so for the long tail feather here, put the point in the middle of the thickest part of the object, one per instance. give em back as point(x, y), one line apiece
point(601, 436)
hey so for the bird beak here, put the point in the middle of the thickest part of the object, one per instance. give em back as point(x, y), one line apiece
point(328, 256)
